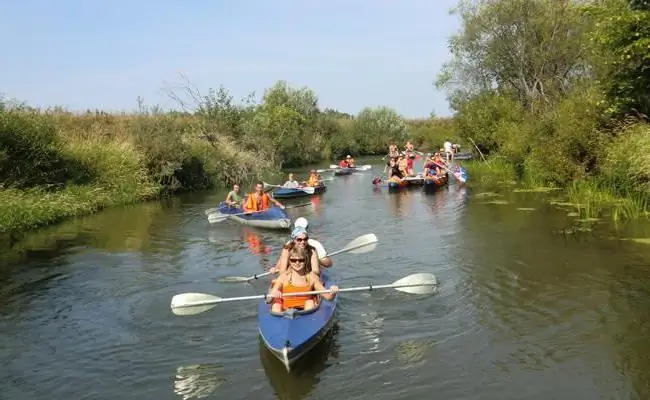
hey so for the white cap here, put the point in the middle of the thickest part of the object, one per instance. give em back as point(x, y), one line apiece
point(301, 222)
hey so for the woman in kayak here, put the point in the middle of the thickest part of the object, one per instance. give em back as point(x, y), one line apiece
point(300, 239)
point(233, 199)
point(297, 278)
point(395, 173)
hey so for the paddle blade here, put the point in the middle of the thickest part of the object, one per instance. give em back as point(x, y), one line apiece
point(360, 245)
point(211, 211)
point(421, 283)
point(217, 217)
point(332, 166)
point(234, 279)
point(364, 168)
point(181, 301)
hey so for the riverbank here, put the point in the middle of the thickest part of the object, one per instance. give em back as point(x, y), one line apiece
point(56, 164)
point(585, 199)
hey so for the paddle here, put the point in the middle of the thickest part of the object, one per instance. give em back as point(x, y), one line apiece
point(216, 216)
point(361, 245)
point(196, 303)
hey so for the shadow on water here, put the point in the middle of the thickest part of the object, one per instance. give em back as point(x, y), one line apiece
point(304, 377)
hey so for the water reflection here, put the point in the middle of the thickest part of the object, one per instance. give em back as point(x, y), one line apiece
point(370, 329)
point(399, 204)
point(198, 381)
point(305, 375)
point(413, 352)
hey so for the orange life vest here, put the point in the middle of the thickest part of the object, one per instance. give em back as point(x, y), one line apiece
point(313, 180)
point(295, 301)
point(251, 203)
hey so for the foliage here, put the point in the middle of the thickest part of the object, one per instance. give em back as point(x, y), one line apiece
point(55, 164)
point(550, 85)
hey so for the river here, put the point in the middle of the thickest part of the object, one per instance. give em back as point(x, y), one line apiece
point(523, 310)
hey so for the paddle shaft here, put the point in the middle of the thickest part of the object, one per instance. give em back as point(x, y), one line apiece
point(314, 292)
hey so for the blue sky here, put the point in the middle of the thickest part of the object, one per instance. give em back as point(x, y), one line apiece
point(104, 54)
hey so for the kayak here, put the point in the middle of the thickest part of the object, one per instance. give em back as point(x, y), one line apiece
point(463, 156)
point(396, 185)
point(432, 184)
point(273, 218)
point(345, 171)
point(290, 193)
point(293, 333)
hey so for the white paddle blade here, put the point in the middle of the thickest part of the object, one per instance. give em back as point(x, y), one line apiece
point(364, 249)
point(211, 211)
point(364, 167)
point(217, 217)
point(233, 279)
point(180, 303)
point(421, 283)
point(332, 166)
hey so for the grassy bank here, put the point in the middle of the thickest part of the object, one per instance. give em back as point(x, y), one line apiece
point(569, 109)
point(56, 164)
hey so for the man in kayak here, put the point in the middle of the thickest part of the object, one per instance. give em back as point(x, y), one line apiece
point(344, 163)
point(297, 278)
point(233, 199)
point(259, 201)
point(292, 183)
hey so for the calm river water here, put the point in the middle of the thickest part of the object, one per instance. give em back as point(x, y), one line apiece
point(523, 311)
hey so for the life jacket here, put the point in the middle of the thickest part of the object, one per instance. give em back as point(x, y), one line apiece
point(251, 203)
point(313, 180)
point(295, 301)
point(344, 164)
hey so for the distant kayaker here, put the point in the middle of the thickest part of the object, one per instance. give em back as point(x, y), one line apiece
point(314, 179)
point(432, 166)
point(395, 173)
point(292, 183)
point(297, 278)
point(233, 199)
point(344, 162)
point(259, 201)
point(350, 161)
point(449, 152)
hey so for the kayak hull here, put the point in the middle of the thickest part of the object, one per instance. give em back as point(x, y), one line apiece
point(273, 218)
point(287, 193)
point(432, 184)
point(292, 334)
point(344, 171)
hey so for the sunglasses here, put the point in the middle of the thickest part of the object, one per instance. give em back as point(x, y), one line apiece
point(301, 239)
point(297, 260)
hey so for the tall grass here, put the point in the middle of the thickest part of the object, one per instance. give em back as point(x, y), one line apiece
point(55, 165)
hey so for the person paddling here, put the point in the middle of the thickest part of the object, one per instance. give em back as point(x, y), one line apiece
point(233, 199)
point(260, 201)
point(297, 278)
point(292, 183)
point(323, 259)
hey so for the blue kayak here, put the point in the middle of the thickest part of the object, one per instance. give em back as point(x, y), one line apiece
point(287, 193)
point(293, 333)
point(345, 171)
point(273, 218)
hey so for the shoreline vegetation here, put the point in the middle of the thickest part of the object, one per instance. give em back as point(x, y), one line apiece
point(56, 164)
point(555, 94)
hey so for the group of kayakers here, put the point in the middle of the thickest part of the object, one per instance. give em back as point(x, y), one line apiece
point(299, 270)
point(400, 164)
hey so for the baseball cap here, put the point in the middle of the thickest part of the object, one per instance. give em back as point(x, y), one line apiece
point(301, 223)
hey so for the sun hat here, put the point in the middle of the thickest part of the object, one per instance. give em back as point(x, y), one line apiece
point(301, 223)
